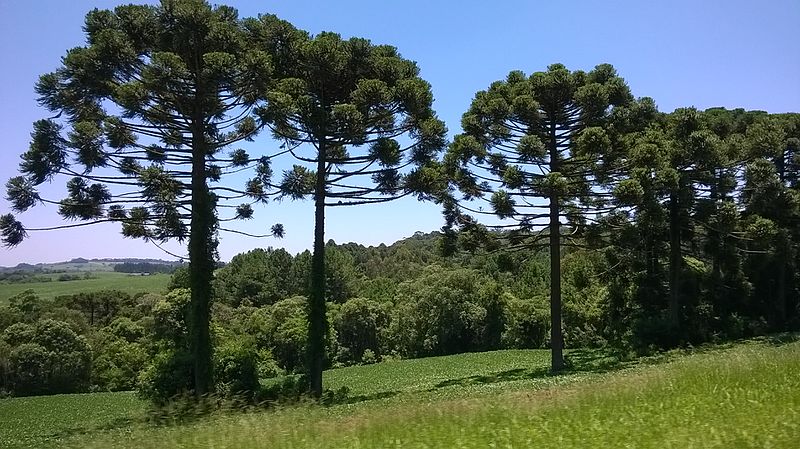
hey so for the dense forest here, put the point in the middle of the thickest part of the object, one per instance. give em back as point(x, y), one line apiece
point(575, 214)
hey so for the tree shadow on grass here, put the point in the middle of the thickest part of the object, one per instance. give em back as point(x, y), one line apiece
point(502, 376)
point(577, 361)
point(782, 338)
point(74, 431)
point(366, 397)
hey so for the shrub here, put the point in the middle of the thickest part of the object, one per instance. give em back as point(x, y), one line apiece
point(528, 324)
point(28, 366)
point(285, 389)
point(168, 375)
point(282, 328)
point(236, 368)
point(361, 325)
point(447, 312)
point(126, 329)
point(18, 333)
point(47, 358)
point(118, 363)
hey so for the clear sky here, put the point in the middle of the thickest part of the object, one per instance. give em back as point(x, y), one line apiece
point(732, 53)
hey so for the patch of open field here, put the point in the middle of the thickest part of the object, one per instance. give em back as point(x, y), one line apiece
point(129, 283)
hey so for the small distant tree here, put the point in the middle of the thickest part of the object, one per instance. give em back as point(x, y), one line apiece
point(150, 104)
point(361, 116)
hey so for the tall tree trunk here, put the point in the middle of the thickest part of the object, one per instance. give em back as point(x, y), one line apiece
point(201, 263)
point(715, 238)
point(317, 319)
point(782, 254)
point(556, 337)
point(675, 258)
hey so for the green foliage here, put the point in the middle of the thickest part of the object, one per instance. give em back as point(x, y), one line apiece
point(236, 366)
point(117, 363)
point(447, 312)
point(528, 323)
point(258, 277)
point(169, 374)
point(46, 358)
point(282, 328)
point(361, 326)
point(179, 278)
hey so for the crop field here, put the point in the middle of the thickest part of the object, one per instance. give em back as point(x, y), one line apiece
point(747, 395)
point(42, 421)
point(102, 280)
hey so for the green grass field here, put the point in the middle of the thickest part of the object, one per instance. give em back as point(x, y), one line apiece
point(101, 281)
point(746, 395)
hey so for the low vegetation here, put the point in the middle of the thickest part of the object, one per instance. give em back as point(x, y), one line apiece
point(744, 395)
point(48, 287)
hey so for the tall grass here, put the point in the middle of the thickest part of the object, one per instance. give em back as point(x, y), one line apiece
point(747, 396)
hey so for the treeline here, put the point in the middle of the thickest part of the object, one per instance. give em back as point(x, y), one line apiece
point(399, 301)
point(145, 267)
point(382, 299)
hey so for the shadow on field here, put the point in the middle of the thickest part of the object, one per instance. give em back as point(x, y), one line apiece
point(367, 397)
point(111, 425)
point(577, 361)
point(503, 376)
point(782, 339)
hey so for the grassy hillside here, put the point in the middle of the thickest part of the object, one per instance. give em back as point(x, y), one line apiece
point(100, 281)
point(744, 396)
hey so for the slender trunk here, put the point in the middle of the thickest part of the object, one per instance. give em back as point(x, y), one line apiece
point(675, 258)
point(780, 166)
point(201, 263)
point(716, 248)
point(317, 320)
point(556, 337)
point(780, 296)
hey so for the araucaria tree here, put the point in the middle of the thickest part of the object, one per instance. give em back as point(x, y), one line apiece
point(538, 152)
point(361, 116)
point(150, 105)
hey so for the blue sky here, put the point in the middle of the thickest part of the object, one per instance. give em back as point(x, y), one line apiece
point(681, 53)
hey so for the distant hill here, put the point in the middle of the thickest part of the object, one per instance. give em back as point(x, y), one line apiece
point(426, 239)
point(82, 264)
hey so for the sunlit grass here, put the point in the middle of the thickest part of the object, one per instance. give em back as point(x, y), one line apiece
point(45, 420)
point(746, 396)
point(128, 283)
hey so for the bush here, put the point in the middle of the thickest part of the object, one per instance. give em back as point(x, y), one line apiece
point(169, 317)
point(361, 325)
point(118, 363)
point(179, 278)
point(584, 299)
point(528, 324)
point(447, 312)
point(285, 389)
point(168, 375)
point(236, 368)
point(18, 333)
point(28, 366)
point(282, 328)
point(126, 329)
point(47, 358)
